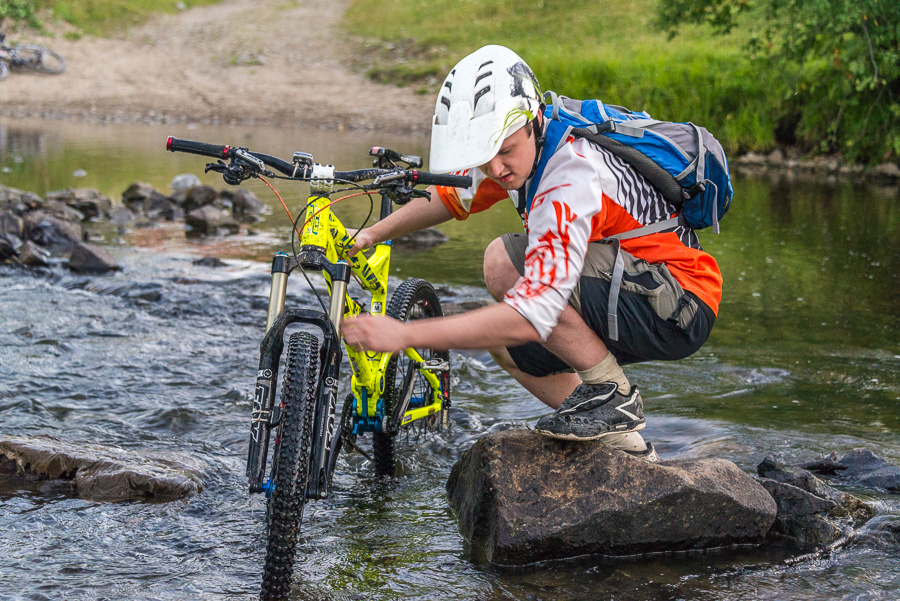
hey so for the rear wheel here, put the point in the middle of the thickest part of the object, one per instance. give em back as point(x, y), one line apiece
point(37, 58)
point(413, 299)
point(290, 471)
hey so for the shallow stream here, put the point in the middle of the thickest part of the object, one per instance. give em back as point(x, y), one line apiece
point(804, 359)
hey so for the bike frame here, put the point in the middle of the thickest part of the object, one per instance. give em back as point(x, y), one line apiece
point(324, 243)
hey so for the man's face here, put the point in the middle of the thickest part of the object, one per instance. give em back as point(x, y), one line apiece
point(513, 163)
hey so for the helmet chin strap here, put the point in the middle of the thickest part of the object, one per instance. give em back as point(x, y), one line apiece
point(537, 131)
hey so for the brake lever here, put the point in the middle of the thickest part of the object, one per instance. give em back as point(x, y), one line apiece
point(233, 174)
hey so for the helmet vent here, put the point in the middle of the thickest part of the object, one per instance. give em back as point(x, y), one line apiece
point(445, 101)
point(449, 85)
point(482, 76)
point(483, 65)
point(479, 94)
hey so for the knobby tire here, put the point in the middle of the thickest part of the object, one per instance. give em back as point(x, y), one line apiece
point(38, 58)
point(413, 299)
point(291, 465)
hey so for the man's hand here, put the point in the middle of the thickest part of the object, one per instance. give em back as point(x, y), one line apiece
point(375, 333)
point(362, 240)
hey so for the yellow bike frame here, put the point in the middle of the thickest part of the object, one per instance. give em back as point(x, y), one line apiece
point(324, 230)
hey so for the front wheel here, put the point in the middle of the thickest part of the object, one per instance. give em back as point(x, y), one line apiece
point(413, 299)
point(290, 472)
point(37, 58)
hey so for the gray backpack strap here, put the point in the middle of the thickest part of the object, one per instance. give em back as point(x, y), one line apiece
point(615, 284)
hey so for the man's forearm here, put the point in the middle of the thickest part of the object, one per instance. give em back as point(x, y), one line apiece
point(419, 214)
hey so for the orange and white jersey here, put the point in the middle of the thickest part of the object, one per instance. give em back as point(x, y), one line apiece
point(586, 194)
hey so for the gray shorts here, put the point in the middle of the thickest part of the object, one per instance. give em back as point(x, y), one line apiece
point(658, 319)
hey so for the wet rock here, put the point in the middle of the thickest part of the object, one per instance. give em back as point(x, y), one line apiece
point(62, 210)
point(199, 196)
point(810, 511)
point(103, 473)
point(886, 172)
point(10, 223)
point(121, 215)
point(33, 255)
point(421, 240)
point(9, 247)
point(245, 205)
point(464, 306)
point(19, 201)
point(89, 202)
point(52, 232)
point(185, 180)
point(144, 199)
point(775, 158)
point(521, 498)
point(751, 158)
point(210, 220)
point(87, 258)
point(864, 468)
point(210, 262)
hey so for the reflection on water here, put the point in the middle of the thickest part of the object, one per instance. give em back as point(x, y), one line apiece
point(804, 359)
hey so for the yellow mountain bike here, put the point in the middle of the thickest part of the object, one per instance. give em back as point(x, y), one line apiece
point(387, 393)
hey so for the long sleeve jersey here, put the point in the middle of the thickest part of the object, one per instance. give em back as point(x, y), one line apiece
point(586, 194)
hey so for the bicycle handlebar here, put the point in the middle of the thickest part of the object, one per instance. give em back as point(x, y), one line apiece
point(411, 176)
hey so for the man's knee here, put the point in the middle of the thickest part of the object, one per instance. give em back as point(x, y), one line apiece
point(499, 272)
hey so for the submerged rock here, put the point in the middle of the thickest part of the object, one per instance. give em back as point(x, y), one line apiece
point(103, 473)
point(522, 498)
point(864, 468)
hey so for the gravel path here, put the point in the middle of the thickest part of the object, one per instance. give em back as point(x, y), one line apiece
point(278, 62)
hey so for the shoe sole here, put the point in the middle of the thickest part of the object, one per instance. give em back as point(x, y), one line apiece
point(549, 434)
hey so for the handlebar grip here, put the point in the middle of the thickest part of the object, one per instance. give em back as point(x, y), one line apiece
point(437, 179)
point(215, 151)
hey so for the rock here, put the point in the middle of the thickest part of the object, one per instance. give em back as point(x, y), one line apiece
point(62, 210)
point(185, 180)
point(421, 240)
point(10, 223)
point(245, 205)
point(144, 199)
point(9, 247)
point(87, 258)
point(751, 158)
point(803, 516)
point(33, 255)
point(846, 504)
point(208, 220)
point(88, 201)
point(864, 468)
point(19, 201)
point(210, 262)
point(121, 215)
point(104, 473)
point(775, 158)
point(199, 196)
point(886, 172)
point(522, 498)
point(52, 232)
point(464, 306)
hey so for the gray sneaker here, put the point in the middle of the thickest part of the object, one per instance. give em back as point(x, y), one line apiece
point(593, 411)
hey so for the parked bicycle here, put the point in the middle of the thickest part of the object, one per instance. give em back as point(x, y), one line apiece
point(388, 394)
point(32, 57)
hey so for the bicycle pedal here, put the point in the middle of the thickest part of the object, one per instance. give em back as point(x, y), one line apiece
point(436, 365)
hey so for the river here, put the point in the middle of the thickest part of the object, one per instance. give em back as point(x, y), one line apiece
point(804, 359)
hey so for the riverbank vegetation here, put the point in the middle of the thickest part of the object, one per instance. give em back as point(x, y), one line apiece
point(95, 17)
point(820, 75)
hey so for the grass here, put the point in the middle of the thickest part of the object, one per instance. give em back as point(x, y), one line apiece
point(578, 48)
point(108, 17)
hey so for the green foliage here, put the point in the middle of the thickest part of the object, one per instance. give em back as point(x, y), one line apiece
point(835, 64)
point(18, 11)
point(579, 48)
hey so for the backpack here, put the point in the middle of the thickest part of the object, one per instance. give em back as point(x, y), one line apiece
point(693, 177)
point(681, 160)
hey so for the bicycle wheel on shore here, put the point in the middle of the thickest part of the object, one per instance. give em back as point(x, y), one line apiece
point(290, 472)
point(413, 299)
point(37, 58)
point(4, 70)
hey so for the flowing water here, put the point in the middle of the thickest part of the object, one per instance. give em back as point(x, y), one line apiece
point(804, 359)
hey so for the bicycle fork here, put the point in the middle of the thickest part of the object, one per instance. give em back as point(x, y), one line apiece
point(266, 414)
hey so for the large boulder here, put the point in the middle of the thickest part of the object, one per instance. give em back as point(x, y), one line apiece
point(521, 498)
point(19, 201)
point(102, 472)
point(245, 205)
point(144, 199)
point(89, 202)
point(10, 223)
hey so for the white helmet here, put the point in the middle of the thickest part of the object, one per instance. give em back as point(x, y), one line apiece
point(487, 97)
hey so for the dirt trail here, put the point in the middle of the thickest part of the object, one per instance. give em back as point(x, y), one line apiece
point(279, 62)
